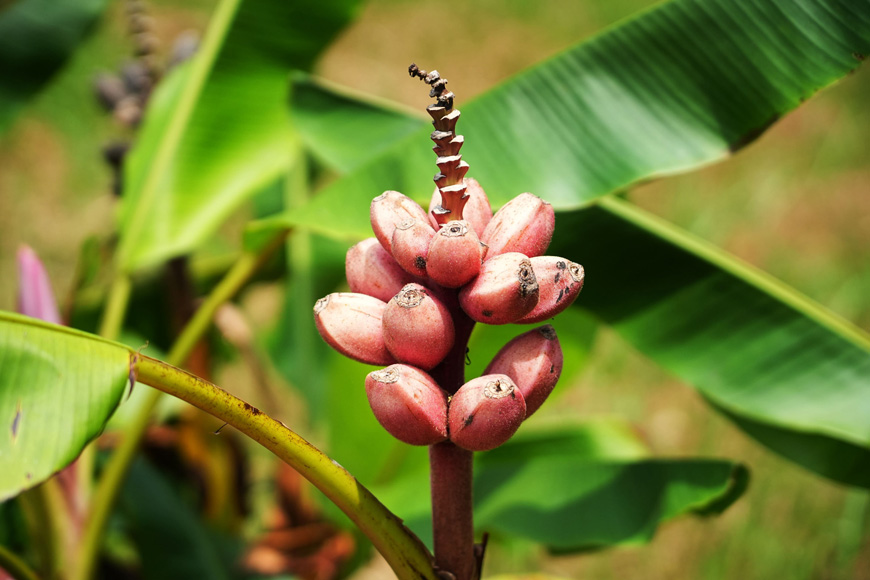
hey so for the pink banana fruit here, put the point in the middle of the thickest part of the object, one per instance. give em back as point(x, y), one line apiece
point(559, 284)
point(534, 361)
point(417, 327)
point(371, 270)
point(409, 404)
point(410, 243)
point(389, 210)
point(525, 224)
point(485, 412)
point(455, 255)
point(505, 290)
point(352, 324)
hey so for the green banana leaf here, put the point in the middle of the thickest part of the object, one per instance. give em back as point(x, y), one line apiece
point(793, 375)
point(832, 457)
point(58, 387)
point(316, 267)
point(369, 127)
point(599, 488)
point(217, 130)
point(676, 87)
point(36, 39)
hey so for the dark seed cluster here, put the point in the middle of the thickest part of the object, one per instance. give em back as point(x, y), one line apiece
point(439, 86)
point(125, 93)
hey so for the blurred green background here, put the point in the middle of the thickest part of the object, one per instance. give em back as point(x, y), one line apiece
point(796, 203)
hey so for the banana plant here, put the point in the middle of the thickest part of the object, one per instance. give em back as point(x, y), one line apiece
point(672, 89)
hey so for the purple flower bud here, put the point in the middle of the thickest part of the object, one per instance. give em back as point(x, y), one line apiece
point(534, 361)
point(352, 324)
point(409, 404)
point(485, 412)
point(371, 270)
point(35, 298)
point(417, 327)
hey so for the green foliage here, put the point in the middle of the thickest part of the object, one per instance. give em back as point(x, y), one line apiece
point(171, 540)
point(723, 327)
point(785, 368)
point(679, 86)
point(578, 487)
point(217, 130)
point(684, 84)
point(58, 388)
point(36, 39)
point(368, 127)
point(576, 332)
point(600, 503)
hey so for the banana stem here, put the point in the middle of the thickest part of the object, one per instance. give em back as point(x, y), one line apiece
point(450, 467)
point(452, 522)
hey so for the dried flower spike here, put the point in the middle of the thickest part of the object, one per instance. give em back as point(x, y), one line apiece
point(451, 167)
point(477, 210)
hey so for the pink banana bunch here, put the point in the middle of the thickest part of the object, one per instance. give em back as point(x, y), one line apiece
point(419, 285)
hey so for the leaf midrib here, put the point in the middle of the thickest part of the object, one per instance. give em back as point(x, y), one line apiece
point(738, 268)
